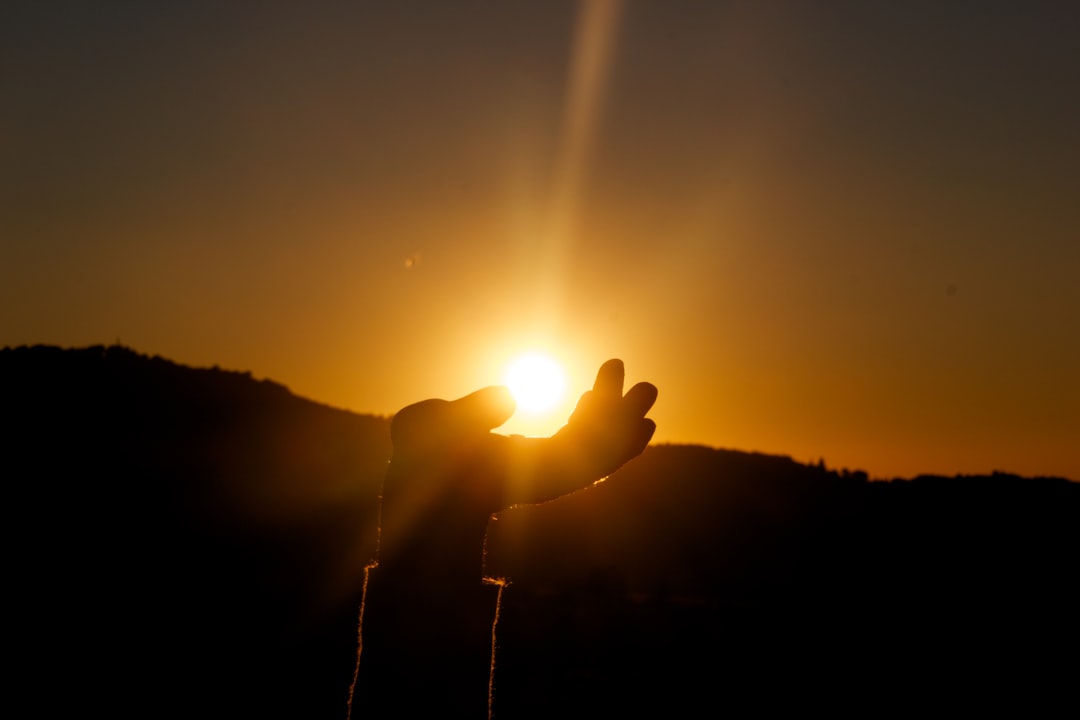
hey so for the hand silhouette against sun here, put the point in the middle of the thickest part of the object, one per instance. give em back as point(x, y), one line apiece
point(449, 472)
point(427, 622)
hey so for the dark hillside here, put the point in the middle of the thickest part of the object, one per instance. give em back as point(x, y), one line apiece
point(181, 539)
point(178, 535)
point(707, 576)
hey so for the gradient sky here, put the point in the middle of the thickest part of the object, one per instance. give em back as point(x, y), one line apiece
point(839, 230)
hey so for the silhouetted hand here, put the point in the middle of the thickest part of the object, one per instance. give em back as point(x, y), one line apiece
point(427, 623)
point(449, 472)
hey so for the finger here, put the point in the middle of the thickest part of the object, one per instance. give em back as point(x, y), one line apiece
point(639, 399)
point(483, 410)
point(633, 441)
point(416, 421)
point(583, 402)
point(431, 422)
point(609, 379)
point(643, 434)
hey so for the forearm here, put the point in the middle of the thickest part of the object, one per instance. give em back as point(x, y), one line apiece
point(426, 646)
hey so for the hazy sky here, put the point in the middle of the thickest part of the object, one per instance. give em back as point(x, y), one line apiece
point(847, 230)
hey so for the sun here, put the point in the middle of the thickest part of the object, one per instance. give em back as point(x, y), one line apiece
point(536, 381)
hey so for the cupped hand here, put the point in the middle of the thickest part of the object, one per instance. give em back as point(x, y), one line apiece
point(449, 472)
point(605, 431)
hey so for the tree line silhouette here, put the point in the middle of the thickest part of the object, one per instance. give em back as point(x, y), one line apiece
point(182, 539)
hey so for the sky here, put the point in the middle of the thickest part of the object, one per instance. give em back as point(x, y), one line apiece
point(836, 230)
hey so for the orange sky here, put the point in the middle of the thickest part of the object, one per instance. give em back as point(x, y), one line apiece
point(844, 230)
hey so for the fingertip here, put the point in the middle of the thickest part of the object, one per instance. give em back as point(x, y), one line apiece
point(502, 406)
point(648, 429)
point(610, 377)
point(584, 401)
point(643, 433)
point(485, 409)
point(641, 397)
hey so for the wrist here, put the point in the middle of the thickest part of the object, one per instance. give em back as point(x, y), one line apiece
point(434, 548)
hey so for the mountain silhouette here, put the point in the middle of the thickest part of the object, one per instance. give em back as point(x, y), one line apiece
point(191, 542)
point(184, 539)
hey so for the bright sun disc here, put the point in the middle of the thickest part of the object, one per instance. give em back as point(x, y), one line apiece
point(536, 382)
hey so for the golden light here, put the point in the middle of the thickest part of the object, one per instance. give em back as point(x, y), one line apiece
point(536, 381)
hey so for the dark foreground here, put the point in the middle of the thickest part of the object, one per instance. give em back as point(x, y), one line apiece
point(190, 543)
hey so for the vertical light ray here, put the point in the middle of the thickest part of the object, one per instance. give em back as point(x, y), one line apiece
point(592, 51)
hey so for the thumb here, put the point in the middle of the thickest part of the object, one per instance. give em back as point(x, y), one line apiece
point(434, 422)
point(483, 410)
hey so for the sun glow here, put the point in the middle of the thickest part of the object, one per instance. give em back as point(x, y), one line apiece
point(536, 382)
